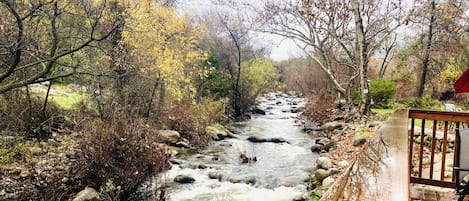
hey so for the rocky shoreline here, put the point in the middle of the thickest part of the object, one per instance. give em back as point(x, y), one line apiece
point(337, 142)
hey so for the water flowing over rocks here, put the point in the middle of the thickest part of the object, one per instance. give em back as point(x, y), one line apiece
point(278, 153)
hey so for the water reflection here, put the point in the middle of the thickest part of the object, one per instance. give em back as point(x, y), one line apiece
point(380, 172)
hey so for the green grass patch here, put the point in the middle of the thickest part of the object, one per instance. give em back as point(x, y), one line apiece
point(383, 111)
point(67, 101)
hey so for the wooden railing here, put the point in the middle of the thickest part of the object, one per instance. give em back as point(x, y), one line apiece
point(432, 143)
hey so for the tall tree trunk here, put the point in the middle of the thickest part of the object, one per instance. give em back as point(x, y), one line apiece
point(116, 64)
point(238, 76)
point(362, 60)
point(428, 50)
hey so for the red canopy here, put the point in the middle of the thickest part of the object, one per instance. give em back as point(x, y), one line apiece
point(462, 84)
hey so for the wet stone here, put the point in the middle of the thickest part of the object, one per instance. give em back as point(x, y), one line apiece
point(184, 179)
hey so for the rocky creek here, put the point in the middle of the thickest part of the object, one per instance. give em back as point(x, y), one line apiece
point(269, 158)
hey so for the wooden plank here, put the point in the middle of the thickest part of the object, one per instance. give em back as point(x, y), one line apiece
point(432, 156)
point(440, 115)
point(422, 145)
point(432, 182)
point(444, 145)
point(411, 145)
point(380, 171)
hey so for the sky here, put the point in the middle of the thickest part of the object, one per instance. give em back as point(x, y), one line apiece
point(280, 47)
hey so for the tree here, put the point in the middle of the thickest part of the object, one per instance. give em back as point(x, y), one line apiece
point(426, 59)
point(42, 41)
point(170, 59)
point(339, 36)
point(236, 37)
point(435, 44)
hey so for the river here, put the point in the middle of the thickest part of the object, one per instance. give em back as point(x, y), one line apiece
point(277, 175)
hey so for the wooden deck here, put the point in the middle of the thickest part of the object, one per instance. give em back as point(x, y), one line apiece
point(410, 158)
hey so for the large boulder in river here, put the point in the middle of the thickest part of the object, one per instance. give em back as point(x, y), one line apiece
point(258, 111)
point(256, 139)
point(244, 179)
point(218, 132)
point(169, 136)
point(215, 175)
point(88, 194)
point(184, 179)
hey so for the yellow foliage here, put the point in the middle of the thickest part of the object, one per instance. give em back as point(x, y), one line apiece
point(165, 46)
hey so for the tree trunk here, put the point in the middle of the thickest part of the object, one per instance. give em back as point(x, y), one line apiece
point(428, 50)
point(362, 60)
point(150, 99)
point(44, 107)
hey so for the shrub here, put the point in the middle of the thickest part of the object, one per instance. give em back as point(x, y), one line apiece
point(319, 110)
point(420, 103)
point(22, 113)
point(191, 119)
point(382, 91)
point(118, 155)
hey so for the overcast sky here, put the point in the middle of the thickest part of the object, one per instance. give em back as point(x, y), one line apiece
point(281, 48)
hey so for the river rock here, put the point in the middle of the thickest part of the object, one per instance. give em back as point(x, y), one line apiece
point(358, 140)
point(258, 111)
point(324, 162)
point(304, 197)
point(169, 136)
point(330, 126)
point(88, 194)
point(183, 143)
point(327, 182)
point(256, 139)
point(343, 164)
point(184, 179)
point(215, 175)
point(286, 183)
point(218, 132)
point(295, 110)
point(176, 161)
point(321, 174)
point(245, 180)
point(316, 148)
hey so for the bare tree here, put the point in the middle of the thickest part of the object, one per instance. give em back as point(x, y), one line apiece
point(388, 48)
point(339, 36)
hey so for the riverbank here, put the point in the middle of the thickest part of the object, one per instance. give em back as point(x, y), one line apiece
point(338, 140)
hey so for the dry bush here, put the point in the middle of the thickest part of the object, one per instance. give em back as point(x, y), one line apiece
point(320, 108)
point(23, 114)
point(118, 155)
point(192, 119)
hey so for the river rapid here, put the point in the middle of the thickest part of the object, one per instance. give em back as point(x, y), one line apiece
point(279, 172)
